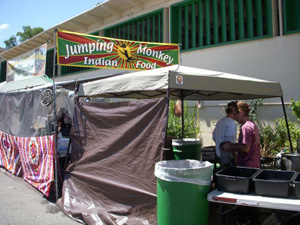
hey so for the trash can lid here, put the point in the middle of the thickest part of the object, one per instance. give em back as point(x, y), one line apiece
point(185, 141)
point(187, 171)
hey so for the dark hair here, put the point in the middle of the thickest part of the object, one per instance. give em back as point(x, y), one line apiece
point(231, 106)
point(244, 107)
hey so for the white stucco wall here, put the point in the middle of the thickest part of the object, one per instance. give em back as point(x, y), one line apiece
point(276, 59)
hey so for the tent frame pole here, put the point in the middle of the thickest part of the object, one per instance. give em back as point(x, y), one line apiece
point(287, 124)
point(55, 118)
point(182, 115)
point(168, 105)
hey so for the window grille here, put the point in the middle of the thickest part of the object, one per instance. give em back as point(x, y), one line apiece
point(291, 18)
point(204, 23)
point(146, 28)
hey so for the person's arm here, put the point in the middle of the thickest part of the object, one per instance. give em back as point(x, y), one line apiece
point(59, 125)
point(233, 147)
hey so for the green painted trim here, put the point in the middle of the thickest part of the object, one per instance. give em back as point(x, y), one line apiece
point(128, 31)
point(200, 13)
point(148, 29)
point(153, 28)
point(259, 18)
point(269, 28)
point(284, 9)
point(193, 26)
point(223, 22)
point(159, 28)
point(3, 66)
point(291, 19)
point(240, 19)
point(143, 32)
point(215, 22)
point(139, 18)
point(292, 32)
point(249, 14)
point(133, 30)
point(145, 19)
point(180, 25)
point(207, 22)
point(186, 25)
point(229, 43)
point(231, 20)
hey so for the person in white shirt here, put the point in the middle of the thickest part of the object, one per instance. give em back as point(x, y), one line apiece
point(226, 131)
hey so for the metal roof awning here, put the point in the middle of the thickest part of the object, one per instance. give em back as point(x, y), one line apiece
point(95, 19)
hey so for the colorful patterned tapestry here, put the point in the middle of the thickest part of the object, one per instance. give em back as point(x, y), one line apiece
point(9, 154)
point(37, 158)
point(84, 50)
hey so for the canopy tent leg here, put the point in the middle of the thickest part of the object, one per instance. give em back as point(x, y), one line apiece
point(182, 115)
point(55, 118)
point(287, 124)
point(168, 105)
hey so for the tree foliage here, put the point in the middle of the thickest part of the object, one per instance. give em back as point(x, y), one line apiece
point(27, 33)
point(11, 42)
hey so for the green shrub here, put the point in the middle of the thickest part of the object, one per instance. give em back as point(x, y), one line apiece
point(191, 125)
point(296, 108)
point(273, 139)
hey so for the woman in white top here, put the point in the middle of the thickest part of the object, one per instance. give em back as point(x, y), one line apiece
point(226, 131)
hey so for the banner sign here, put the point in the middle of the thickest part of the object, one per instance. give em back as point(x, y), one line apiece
point(83, 50)
point(31, 63)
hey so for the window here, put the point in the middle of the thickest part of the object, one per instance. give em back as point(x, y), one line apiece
point(3, 71)
point(291, 18)
point(147, 28)
point(49, 63)
point(203, 23)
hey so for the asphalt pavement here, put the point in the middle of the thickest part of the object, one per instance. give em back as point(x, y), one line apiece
point(21, 204)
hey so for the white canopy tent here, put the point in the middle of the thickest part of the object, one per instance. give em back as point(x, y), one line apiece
point(29, 83)
point(182, 83)
point(185, 83)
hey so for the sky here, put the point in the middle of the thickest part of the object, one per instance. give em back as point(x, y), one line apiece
point(14, 14)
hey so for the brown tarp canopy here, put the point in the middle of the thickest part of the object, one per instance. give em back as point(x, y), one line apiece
point(114, 150)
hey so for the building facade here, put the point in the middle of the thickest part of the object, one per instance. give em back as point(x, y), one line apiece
point(255, 38)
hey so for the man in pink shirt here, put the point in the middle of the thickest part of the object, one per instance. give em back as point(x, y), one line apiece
point(248, 146)
point(248, 155)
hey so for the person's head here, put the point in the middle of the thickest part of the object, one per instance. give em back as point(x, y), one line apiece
point(244, 110)
point(232, 109)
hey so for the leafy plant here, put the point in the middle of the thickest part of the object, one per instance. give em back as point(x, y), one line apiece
point(296, 108)
point(254, 104)
point(191, 125)
point(273, 139)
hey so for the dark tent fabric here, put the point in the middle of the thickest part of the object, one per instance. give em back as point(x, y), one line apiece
point(23, 115)
point(115, 146)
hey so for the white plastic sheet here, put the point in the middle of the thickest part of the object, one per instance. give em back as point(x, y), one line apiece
point(187, 171)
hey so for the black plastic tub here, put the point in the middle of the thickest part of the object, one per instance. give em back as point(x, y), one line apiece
point(296, 182)
point(236, 179)
point(273, 183)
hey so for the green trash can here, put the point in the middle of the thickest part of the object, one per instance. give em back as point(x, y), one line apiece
point(182, 188)
point(187, 148)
